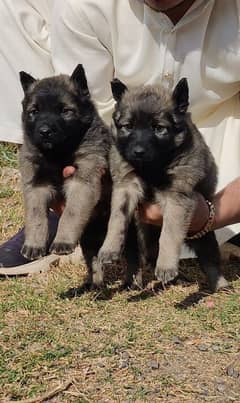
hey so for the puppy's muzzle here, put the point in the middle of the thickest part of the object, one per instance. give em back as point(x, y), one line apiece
point(45, 132)
point(138, 152)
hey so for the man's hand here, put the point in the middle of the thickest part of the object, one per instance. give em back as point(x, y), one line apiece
point(152, 214)
point(226, 203)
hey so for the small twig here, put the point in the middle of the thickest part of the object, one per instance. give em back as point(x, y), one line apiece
point(47, 395)
point(230, 364)
point(75, 394)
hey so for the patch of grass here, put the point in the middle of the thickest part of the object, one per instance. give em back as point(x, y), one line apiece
point(177, 341)
point(8, 155)
point(59, 352)
point(141, 393)
point(6, 192)
point(11, 213)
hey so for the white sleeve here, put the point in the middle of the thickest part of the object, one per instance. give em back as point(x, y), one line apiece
point(74, 41)
point(24, 45)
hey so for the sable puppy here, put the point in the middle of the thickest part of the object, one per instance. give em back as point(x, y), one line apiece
point(160, 156)
point(61, 127)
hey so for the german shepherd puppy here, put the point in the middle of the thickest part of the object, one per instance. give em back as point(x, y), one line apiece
point(160, 156)
point(62, 127)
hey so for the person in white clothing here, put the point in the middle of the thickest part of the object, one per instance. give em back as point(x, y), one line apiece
point(141, 42)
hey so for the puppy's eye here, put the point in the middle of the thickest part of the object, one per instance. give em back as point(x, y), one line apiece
point(67, 112)
point(161, 131)
point(128, 126)
point(33, 112)
point(122, 126)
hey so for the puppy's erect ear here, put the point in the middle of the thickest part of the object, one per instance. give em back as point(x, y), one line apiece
point(118, 89)
point(26, 80)
point(79, 78)
point(181, 96)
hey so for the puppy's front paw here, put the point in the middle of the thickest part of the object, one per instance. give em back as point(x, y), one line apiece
point(220, 284)
point(62, 248)
point(165, 275)
point(108, 257)
point(33, 253)
point(97, 273)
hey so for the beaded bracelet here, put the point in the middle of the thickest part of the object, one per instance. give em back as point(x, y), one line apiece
point(208, 226)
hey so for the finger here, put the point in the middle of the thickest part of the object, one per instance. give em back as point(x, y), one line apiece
point(68, 171)
point(150, 214)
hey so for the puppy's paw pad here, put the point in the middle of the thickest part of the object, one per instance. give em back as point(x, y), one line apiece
point(62, 248)
point(108, 257)
point(33, 253)
point(166, 275)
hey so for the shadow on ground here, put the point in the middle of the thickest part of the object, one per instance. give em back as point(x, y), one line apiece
point(189, 273)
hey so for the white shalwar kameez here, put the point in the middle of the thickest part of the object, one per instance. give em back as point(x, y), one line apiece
point(129, 40)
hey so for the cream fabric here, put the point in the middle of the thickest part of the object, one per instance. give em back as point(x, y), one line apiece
point(129, 40)
point(24, 45)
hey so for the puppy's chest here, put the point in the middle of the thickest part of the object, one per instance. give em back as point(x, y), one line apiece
point(155, 178)
point(159, 182)
point(50, 171)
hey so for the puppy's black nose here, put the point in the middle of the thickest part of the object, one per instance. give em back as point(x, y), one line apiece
point(45, 131)
point(138, 152)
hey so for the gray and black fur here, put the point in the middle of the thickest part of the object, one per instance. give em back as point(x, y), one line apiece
point(61, 128)
point(160, 156)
